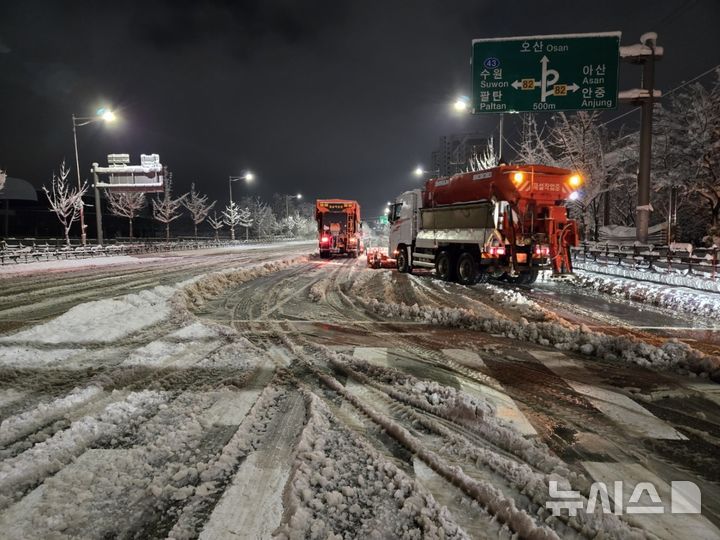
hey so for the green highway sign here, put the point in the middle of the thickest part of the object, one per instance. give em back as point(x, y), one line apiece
point(545, 73)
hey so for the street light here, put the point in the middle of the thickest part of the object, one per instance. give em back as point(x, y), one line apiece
point(462, 104)
point(104, 115)
point(287, 201)
point(419, 172)
point(248, 177)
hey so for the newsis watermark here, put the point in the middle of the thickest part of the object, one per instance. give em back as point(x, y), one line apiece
point(685, 498)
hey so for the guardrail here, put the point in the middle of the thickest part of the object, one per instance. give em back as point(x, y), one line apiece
point(673, 258)
point(26, 250)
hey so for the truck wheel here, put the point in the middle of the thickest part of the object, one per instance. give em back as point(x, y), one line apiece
point(467, 269)
point(527, 278)
point(444, 267)
point(403, 261)
point(324, 254)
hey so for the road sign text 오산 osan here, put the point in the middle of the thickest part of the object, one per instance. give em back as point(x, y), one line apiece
point(545, 73)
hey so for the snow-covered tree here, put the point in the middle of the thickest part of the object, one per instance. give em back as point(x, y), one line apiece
point(3, 178)
point(216, 223)
point(246, 221)
point(126, 204)
point(231, 217)
point(264, 222)
point(166, 209)
point(65, 200)
point(533, 147)
point(198, 207)
point(621, 160)
point(286, 226)
point(578, 142)
point(693, 132)
point(486, 160)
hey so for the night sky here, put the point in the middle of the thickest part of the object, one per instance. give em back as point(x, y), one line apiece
point(324, 97)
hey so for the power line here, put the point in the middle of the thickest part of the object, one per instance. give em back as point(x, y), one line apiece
point(665, 94)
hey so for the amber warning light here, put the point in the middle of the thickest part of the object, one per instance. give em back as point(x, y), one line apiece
point(575, 180)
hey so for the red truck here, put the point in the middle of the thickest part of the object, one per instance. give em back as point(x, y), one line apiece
point(339, 227)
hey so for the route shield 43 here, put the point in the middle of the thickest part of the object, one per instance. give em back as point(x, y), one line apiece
point(545, 73)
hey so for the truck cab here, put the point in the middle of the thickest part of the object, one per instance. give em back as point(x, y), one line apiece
point(404, 223)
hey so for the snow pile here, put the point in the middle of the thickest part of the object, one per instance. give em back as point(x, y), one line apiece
point(442, 400)
point(344, 488)
point(674, 298)
point(673, 354)
point(318, 290)
point(22, 424)
point(181, 348)
point(102, 321)
point(516, 301)
point(209, 286)
point(195, 331)
point(34, 357)
point(48, 457)
point(682, 279)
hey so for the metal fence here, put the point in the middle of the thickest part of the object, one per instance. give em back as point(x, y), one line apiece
point(673, 258)
point(26, 250)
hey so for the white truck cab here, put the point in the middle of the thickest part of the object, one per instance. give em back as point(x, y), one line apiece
point(404, 225)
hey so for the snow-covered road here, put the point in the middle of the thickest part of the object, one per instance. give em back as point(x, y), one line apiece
point(267, 393)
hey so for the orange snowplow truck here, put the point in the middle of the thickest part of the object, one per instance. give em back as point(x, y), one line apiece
point(508, 221)
point(339, 226)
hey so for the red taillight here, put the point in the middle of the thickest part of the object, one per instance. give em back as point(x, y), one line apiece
point(496, 250)
point(324, 239)
point(542, 251)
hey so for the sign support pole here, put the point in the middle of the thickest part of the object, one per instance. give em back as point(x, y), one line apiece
point(642, 219)
point(98, 209)
point(500, 143)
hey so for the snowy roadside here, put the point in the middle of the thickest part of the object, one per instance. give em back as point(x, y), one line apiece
point(74, 264)
point(676, 298)
point(121, 260)
point(111, 320)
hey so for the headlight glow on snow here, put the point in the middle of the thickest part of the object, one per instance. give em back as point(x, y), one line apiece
point(574, 196)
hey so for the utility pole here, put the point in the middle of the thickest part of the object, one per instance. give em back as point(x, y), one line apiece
point(645, 54)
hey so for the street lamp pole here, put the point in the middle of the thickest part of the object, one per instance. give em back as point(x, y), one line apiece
point(248, 177)
point(79, 121)
point(83, 232)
